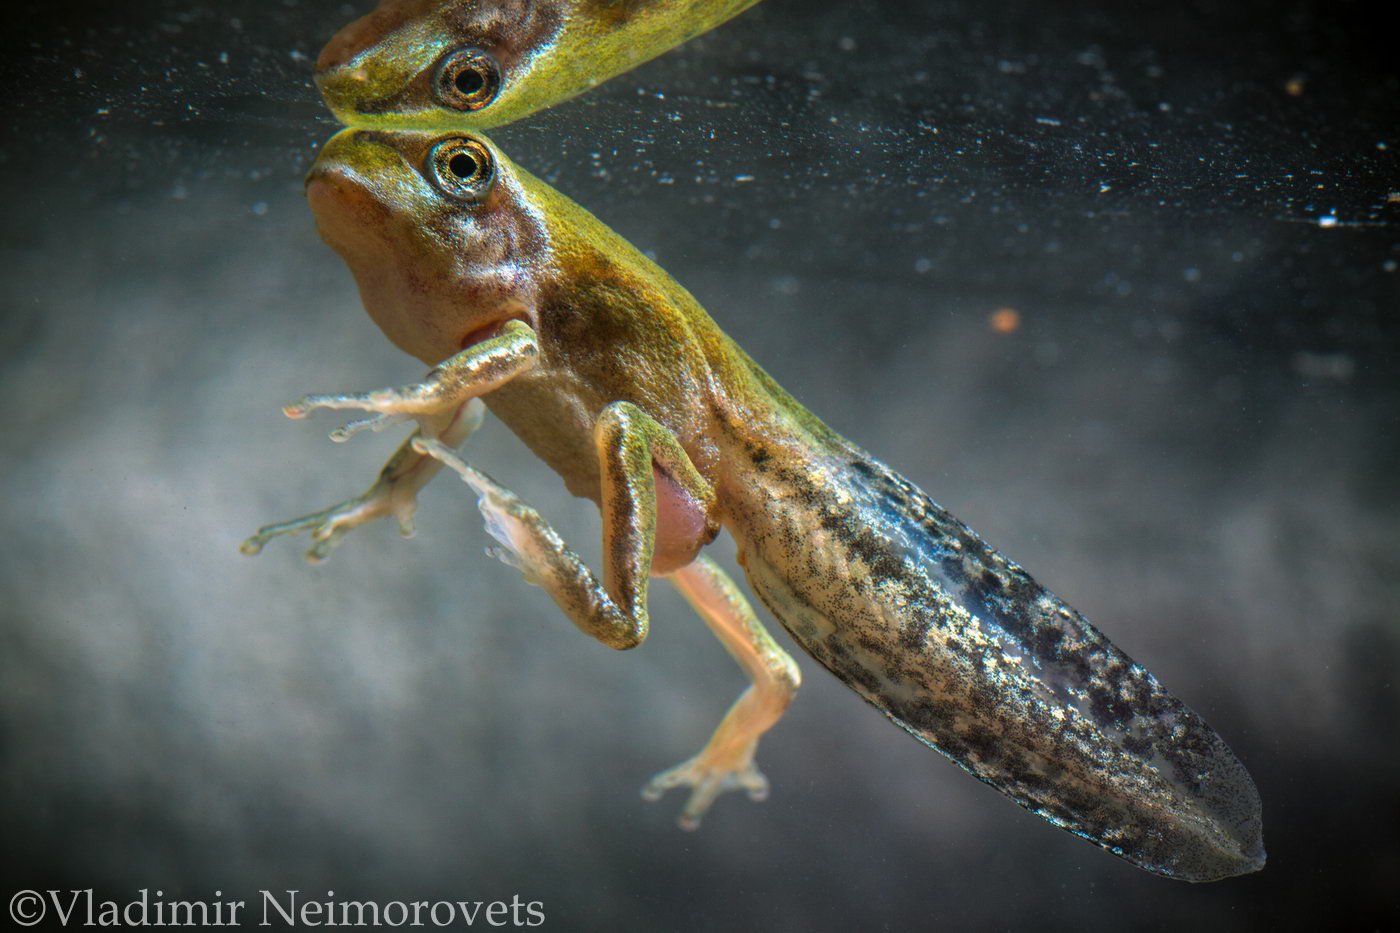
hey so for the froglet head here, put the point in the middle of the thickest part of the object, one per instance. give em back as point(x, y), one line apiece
point(437, 229)
point(475, 64)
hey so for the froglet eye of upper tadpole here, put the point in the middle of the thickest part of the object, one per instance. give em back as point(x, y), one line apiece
point(468, 79)
point(462, 168)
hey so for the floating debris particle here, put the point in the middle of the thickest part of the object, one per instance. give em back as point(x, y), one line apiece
point(1005, 320)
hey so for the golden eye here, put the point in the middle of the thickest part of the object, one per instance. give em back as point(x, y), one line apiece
point(462, 168)
point(468, 79)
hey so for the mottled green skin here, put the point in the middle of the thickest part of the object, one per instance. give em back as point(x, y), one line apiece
point(377, 72)
point(899, 599)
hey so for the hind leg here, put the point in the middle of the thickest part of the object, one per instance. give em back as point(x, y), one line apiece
point(727, 760)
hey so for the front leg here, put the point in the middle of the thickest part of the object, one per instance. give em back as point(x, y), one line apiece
point(472, 373)
point(447, 409)
point(395, 492)
point(628, 442)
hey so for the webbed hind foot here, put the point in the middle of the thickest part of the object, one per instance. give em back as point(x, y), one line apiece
point(707, 778)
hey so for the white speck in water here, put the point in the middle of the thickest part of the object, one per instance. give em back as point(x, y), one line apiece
point(1048, 121)
point(774, 223)
point(1327, 220)
point(1191, 274)
point(1390, 265)
point(1105, 188)
point(846, 44)
point(259, 208)
point(1164, 107)
point(743, 179)
point(922, 265)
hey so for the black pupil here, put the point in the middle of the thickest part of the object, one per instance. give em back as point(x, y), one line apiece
point(469, 81)
point(462, 165)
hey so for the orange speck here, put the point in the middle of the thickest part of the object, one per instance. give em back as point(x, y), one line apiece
point(1293, 87)
point(1005, 320)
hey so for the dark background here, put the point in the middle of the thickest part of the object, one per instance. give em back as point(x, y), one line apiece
point(1191, 437)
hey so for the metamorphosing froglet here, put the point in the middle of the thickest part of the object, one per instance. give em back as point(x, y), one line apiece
point(481, 63)
point(614, 375)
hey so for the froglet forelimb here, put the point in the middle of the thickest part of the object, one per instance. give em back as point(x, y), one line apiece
point(470, 374)
point(446, 406)
point(394, 493)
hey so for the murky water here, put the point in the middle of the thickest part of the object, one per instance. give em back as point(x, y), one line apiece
point(1120, 290)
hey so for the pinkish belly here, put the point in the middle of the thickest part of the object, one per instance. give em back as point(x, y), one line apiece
point(681, 527)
